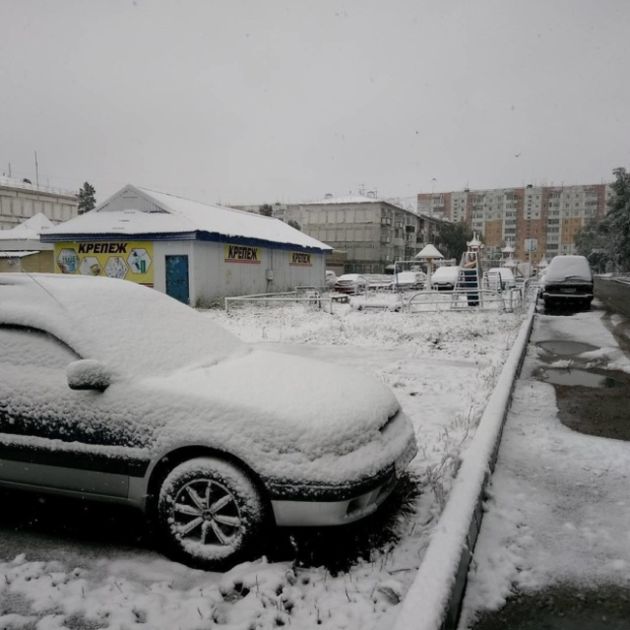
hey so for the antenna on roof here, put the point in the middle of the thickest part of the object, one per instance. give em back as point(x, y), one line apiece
point(36, 170)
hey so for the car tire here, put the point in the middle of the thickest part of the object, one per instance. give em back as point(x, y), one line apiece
point(210, 514)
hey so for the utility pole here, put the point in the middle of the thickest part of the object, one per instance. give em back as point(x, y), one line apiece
point(36, 171)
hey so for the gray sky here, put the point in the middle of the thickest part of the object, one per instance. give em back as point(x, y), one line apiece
point(261, 101)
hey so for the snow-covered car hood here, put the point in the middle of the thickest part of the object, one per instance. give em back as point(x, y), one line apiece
point(290, 402)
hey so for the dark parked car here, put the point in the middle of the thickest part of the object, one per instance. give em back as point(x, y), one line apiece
point(116, 392)
point(567, 281)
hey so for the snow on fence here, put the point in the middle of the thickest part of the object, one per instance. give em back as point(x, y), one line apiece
point(305, 295)
point(434, 600)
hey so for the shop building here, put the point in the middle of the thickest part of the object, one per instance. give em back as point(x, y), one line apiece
point(192, 251)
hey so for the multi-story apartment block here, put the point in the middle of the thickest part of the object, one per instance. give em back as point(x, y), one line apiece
point(372, 232)
point(21, 200)
point(540, 222)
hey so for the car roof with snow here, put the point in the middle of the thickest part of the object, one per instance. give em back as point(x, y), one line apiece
point(563, 268)
point(446, 273)
point(132, 322)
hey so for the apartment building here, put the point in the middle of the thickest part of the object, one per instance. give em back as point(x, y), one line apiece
point(540, 221)
point(21, 200)
point(373, 233)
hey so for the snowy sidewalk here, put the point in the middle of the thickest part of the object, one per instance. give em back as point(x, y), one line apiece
point(558, 511)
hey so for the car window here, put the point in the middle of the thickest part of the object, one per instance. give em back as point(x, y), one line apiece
point(20, 346)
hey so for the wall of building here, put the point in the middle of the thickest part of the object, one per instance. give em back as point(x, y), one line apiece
point(20, 201)
point(217, 272)
point(373, 234)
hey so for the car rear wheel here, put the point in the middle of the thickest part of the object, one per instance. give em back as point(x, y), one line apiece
point(210, 513)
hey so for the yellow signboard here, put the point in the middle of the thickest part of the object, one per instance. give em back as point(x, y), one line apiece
point(242, 254)
point(300, 259)
point(131, 260)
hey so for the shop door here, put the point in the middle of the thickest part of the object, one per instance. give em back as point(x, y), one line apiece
point(177, 278)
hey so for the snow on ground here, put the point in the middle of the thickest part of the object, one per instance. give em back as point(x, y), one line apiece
point(558, 510)
point(441, 366)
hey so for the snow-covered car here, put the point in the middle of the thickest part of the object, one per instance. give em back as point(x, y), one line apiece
point(114, 391)
point(407, 280)
point(351, 283)
point(331, 278)
point(500, 279)
point(568, 281)
point(444, 278)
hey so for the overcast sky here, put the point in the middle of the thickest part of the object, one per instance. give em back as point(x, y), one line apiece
point(262, 101)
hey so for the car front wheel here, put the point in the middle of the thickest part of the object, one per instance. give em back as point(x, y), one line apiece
point(210, 513)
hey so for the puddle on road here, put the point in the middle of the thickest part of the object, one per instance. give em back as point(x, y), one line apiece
point(595, 401)
point(565, 348)
point(562, 608)
point(575, 377)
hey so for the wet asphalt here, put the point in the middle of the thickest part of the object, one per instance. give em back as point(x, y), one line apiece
point(595, 402)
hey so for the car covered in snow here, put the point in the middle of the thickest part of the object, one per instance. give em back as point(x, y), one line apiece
point(408, 280)
point(113, 391)
point(351, 283)
point(331, 278)
point(567, 281)
point(445, 278)
point(500, 279)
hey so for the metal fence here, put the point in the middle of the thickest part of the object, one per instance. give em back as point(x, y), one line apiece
point(507, 300)
point(310, 296)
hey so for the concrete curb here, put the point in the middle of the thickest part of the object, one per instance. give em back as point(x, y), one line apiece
point(434, 600)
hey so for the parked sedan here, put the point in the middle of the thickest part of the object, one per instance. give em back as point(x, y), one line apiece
point(351, 283)
point(567, 281)
point(116, 392)
point(408, 280)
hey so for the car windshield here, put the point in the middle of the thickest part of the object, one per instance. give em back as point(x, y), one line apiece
point(129, 327)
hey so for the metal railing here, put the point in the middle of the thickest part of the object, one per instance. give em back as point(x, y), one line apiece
point(304, 295)
point(474, 298)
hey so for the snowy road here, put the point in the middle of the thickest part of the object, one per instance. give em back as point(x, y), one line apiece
point(555, 541)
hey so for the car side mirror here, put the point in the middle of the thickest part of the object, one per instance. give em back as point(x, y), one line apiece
point(88, 374)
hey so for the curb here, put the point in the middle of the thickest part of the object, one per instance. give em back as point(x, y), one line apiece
point(434, 599)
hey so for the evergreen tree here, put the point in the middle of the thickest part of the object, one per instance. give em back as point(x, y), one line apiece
point(87, 198)
point(294, 224)
point(607, 239)
point(451, 239)
point(266, 210)
point(618, 217)
point(594, 241)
